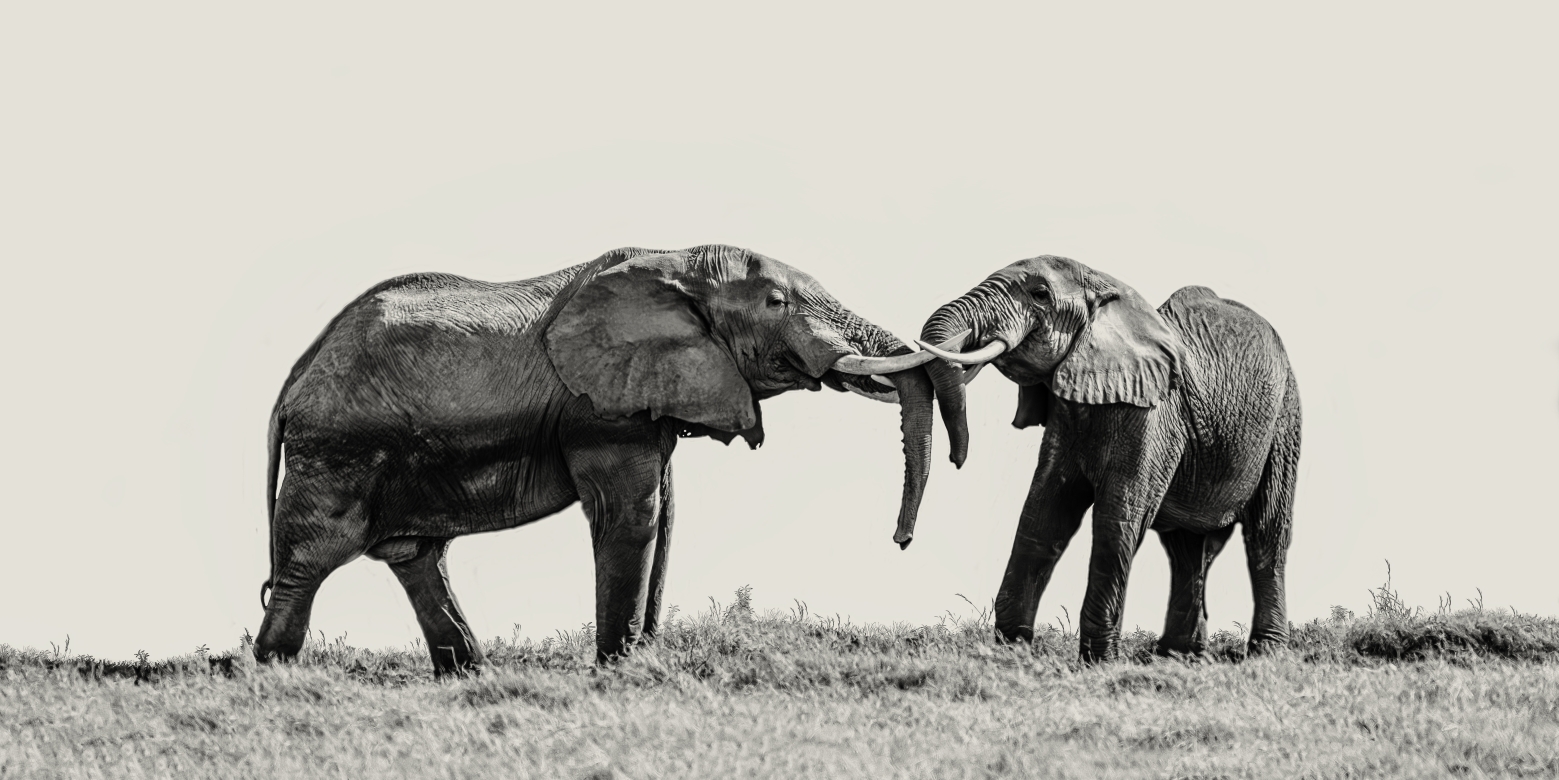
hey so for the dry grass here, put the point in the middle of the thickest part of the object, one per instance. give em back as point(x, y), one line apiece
point(730, 693)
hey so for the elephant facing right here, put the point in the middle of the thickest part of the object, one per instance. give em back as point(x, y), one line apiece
point(1183, 419)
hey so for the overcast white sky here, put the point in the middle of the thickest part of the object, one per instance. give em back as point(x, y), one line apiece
point(189, 193)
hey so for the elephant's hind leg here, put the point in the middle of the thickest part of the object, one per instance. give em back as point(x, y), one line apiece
point(311, 536)
point(425, 576)
point(1269, 521)
point(1190, 556)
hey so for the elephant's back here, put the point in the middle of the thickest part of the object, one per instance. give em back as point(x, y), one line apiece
point(1226, 332)
point(1235, 379)
point(440, 349)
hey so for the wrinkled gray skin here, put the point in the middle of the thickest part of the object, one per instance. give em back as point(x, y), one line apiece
point(435, 406)
point(1184, 420)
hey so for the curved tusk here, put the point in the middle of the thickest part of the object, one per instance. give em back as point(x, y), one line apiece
point(882, 380)
point(971, 373)
point(860, 365)
point(984, 354)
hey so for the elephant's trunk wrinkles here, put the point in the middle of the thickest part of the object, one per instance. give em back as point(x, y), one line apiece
point(976, 311)
point(948, 379)
point(914, 387)
point(914, 390)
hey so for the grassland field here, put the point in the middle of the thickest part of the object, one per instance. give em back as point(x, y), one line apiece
point(733, 693)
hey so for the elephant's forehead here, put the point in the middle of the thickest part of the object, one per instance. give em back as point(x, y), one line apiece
point(768, 271)
point(1048, 266)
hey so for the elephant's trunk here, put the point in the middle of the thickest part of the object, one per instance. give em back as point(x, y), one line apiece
point(915, 391)
point(949, 379)
point(905, 370)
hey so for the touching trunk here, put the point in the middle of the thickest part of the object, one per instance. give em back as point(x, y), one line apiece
point(914, 388)
point(949, 381)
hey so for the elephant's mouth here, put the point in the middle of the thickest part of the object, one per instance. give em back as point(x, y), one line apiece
point(789, 373)
point(785, 373)
point(860, 385)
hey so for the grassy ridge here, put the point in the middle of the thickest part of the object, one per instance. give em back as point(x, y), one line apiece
point(730, 692)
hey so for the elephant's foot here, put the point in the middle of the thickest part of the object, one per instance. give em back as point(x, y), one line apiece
point(1095, 651)
point(1014, 634)
point(282, 632)
point(1266, 645)
point(610, 652)
point(1187, 651)
point(457, 657)
point(269, 656)
point(457, 671)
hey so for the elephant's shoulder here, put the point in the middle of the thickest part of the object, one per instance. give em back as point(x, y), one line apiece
point(1193, 295)
point(1197, 302)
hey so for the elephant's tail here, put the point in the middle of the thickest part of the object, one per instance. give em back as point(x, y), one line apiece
point(278, 427)
point(272, 472)
point(274, 439)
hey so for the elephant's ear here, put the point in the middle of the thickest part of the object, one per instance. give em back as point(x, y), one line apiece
point(1033, 406)
point(633, 339)
point(1126, 354)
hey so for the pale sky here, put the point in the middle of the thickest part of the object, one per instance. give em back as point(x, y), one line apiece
point(188, 194)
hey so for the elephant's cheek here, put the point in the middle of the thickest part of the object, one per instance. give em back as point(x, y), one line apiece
point(1019, 371)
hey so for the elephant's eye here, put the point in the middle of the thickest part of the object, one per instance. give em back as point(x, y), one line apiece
point(1042, 294)
point(777, 299)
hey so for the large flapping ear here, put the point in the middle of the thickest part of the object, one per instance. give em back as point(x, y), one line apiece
point(1126, 354)
point(633, 340)
point(1033, 406)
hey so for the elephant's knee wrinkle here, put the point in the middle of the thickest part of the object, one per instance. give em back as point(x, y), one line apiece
point(634, 536)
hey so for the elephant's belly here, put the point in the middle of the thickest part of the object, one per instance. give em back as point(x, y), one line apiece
point(458, 498)
point(1208, 498)
point(1174, 515)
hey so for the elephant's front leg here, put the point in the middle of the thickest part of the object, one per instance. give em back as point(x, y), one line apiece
point(1116, 537)
point(1130, 484)
point(619, 477)
point(1057, 500)
point(655, 601)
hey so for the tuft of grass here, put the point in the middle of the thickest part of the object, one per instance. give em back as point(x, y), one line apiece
point(1392, 631)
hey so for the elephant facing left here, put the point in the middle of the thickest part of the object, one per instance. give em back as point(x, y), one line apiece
point(436, 406)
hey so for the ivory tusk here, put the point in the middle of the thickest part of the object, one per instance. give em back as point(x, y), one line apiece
point(882, 380)
point(984, 354)
point(861, 365)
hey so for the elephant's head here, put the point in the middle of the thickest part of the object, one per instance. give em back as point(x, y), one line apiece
point(1052, 325)
point(701, 335)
